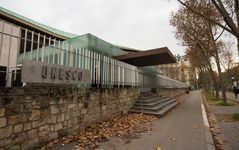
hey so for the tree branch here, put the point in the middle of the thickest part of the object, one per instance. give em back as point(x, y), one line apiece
point(205, 17)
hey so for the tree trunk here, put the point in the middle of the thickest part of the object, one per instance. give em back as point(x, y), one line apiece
point(216, 90)
point(238, 45)
point(224, 98)
point(214, 80)
point(215, 85)
point(236, 3)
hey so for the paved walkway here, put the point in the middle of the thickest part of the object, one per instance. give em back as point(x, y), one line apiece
point(185, 124)
point(182, 129)
point(227, 110)
point(230, 128)
point(230, 96)
point(231, 132)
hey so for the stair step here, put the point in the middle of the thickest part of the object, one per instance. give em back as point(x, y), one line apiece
point(160, 113)
point(150, 100)
point(155, 108)
point(150, 104)
point(149, 96)
point(167, 108)
point(146, 93)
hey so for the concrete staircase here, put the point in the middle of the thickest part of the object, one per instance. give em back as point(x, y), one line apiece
point(151, 103)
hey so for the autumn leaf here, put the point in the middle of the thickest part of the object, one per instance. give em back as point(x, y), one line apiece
point(173, 139)
point(124, 127)
point(158, 148)
point(195, 127)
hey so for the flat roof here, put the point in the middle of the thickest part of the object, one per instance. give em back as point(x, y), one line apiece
point(26, 22)
point(150, 57)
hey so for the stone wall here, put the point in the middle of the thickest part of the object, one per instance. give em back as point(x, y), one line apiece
point(30, 117)
point(170, 92)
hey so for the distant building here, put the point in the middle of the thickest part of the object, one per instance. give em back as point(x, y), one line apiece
point(182, 70)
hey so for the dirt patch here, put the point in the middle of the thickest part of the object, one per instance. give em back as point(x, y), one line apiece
point(225, 118)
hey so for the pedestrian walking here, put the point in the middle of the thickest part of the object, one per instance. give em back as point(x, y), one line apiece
point(235, 91)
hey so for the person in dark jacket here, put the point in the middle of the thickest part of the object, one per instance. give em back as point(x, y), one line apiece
point(235, 91)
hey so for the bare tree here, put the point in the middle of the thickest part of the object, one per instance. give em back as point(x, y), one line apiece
point(228, 10)
point(226, 55)
point(200, 34)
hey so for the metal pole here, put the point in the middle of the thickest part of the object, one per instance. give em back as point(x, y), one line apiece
point(8, 60)
point(93, 67)
point(49, 48)
point(43, 48)
point(87, 58)
point(62, 56)
point(83, 54)
point(53, 51)
point(32, 44)
point(90, 59)
point(67, 50)
point(58, 52)
point(86, 63)
point(1, 39)
point(98, 68)
point(74, 57)
point(25, 44)
point(71, 55)
point(111, 71)
point(38, 46)
point(80, 55)
point(77, 57)
point(18, 50)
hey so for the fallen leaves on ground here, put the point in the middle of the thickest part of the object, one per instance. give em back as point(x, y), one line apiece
point(125, 127)
point(173, 139)
point(195, 127)
point(220, 141)
point(50, 144)
point(158, 148)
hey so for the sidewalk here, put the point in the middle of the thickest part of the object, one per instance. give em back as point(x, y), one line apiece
point(229, 126)
point(181, 129)
point(230, 96)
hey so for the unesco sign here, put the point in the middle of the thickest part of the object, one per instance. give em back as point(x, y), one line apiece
point(39, 72)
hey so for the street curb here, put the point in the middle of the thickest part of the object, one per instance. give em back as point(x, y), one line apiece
point(208, 133)
point(214, 125)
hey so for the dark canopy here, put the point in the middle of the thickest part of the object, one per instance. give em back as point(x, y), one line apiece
point(148, 58)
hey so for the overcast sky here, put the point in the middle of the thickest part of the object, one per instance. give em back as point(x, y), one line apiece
point(140, 24)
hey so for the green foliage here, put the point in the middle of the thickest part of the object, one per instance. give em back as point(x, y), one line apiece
point(215, 100)
point(210, 97)
point(221, 103)
point(235, 116)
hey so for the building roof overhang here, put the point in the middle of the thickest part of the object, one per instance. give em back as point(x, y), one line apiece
point(148, 58)
point(25, 22)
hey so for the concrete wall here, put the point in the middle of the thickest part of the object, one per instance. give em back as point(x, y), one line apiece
point(30, 117)
point(170, 92)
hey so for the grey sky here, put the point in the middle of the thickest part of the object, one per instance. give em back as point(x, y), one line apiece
point(142, 24)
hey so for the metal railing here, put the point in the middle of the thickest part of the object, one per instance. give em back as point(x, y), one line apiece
point(18, 44)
